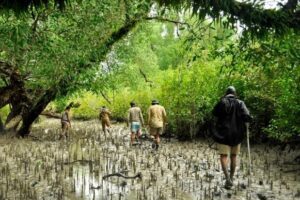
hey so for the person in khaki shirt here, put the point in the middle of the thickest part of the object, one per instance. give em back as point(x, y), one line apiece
point(157, 119)
point(135, 119)
point(104, 118)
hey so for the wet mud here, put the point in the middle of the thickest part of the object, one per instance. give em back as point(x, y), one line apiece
point(85, 166)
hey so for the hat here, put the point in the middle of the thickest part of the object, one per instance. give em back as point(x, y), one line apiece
point(230, 90)
point(154, 101)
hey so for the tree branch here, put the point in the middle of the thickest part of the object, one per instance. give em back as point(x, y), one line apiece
point(254, 17)
point(161, 19)
point(168, 20)
point(105, 97)
point(145, 77)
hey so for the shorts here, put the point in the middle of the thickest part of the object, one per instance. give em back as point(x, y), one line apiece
point(65, 125)
point(156, 131)
point(226, 149)
point(135, 126)
point(105, 122)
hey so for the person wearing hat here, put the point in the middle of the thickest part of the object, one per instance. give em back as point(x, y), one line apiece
point(135, 120)
point(104, 118)
point(157, 119)
point(232, 116)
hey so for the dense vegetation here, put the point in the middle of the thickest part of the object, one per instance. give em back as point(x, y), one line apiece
point(112, 52)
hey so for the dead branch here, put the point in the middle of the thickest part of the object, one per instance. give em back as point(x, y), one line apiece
point(138, 175)
point(105, 97)
point(145, 77)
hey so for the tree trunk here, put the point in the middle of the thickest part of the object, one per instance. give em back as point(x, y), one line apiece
point(30, 116)
point(5, 95)
point(1, 126)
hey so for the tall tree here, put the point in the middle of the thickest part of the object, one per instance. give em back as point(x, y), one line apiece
point(56, 53)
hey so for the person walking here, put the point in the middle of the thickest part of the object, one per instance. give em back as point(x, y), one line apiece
point(232, 116)
point(135, 120)
point(104, 118)
point(65, 123)
point(157, 120)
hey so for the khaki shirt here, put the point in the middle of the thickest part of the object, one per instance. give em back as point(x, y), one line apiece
point(104, 114)
point(157, 116)
point(135, 115)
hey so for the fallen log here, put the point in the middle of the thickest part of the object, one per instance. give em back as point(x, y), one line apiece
point(138, 175)
point(51, 114)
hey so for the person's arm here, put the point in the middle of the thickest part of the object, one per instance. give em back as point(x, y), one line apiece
point(100, 116)
point(68, 117)
point(245, 113)
point(149, 115)
point(216, 110)
point(164, 116)
point(128, 118)
point(141, 117)
point(108, 112)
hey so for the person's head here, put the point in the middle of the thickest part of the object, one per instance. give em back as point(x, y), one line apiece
point(68, 108)
point(231, 90)
point(132, 104)
point(154, 102)
point(103, 107)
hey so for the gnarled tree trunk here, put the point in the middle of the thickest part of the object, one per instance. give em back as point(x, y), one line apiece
point(31, 115)
point(1, 126)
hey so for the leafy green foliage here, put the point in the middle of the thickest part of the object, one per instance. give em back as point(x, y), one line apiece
point(258, 21)
point(185, 63)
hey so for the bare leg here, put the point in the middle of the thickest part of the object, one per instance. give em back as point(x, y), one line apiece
point(157, 140)
point(232, 165)
point(224, 161)
point(132, 138)
point(67, 132)
point(103, 128)
point(63, 131)
point(62, 134)
point(107, 123)
point(138, 134)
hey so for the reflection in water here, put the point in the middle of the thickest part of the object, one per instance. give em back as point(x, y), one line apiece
point(90, 187)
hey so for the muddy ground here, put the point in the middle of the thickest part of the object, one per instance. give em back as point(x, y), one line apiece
point(43, 167)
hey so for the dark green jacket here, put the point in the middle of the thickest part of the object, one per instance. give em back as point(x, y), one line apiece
point(232, 114)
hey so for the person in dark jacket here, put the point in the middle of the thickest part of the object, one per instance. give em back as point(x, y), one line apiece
point(232, 116)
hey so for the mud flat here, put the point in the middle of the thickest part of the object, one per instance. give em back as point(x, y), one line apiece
point(43, 167)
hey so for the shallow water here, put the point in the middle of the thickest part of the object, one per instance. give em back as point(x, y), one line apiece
point(43, 167)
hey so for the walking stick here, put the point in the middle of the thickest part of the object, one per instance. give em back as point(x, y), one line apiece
point(249, 153)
